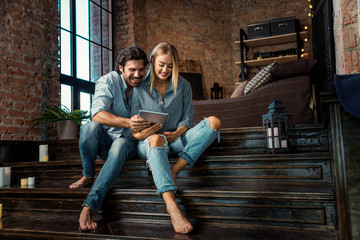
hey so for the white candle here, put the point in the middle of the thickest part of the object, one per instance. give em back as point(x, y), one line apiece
point(276, 131)
point(269, 142)
point(43, 151)
point(7, 176)
point(283, 143)
point(276, 138)
point(2, 176)
point(31, 181)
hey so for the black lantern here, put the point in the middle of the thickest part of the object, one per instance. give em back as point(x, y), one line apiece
point(216, 91)
point(276, 128)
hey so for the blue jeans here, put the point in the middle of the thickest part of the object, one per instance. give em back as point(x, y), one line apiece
point(189, 146)
point(94, 142)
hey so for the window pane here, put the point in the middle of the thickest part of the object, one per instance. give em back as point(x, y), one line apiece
point(85, 101)
point(96, 1)
point(82, 18)
point(66, 96)
point(95, 62)
point(106, 30)
point(95, 32)
point(107, 61)
point(65, 14)
point(82, 59)
point(65, 53)
point(106, 4)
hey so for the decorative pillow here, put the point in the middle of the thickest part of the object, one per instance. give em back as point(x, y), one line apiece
point(292, 68)
point(261, 78)
point(239, 90)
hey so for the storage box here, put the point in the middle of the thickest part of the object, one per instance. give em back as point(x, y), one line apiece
point(283, 26)
point(258, 30)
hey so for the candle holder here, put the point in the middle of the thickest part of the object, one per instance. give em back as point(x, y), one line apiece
point(276, 129)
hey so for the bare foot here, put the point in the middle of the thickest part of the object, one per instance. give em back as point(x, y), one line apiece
point(82, 182)
point(179, 221)
point(85, 221)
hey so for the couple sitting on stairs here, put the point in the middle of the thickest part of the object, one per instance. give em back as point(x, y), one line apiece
point(116, 133)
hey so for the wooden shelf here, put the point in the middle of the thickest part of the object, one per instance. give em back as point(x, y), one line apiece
point(267, 61)
point(284, 38)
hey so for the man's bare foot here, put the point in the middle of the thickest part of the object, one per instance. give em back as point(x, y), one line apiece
point(85, 221)
point(179, 221)
point(82, 182)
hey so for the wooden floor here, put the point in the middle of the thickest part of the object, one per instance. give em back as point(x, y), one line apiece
point(234, 192)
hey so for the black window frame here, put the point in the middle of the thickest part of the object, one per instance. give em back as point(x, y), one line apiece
point(79, 85)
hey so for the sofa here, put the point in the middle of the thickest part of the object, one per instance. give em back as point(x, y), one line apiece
point(289, 83)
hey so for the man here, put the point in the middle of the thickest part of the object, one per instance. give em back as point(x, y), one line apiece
point(103, 135)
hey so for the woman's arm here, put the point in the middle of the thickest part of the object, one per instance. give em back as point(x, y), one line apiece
point(187, 106)
point(172, 136)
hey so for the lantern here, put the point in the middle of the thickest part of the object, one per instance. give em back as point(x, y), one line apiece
point(276, 128)
point(216, 91)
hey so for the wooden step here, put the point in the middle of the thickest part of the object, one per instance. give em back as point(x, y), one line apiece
point(302, 207)
point(313, 166)
point(64, 226)
point(305, 138)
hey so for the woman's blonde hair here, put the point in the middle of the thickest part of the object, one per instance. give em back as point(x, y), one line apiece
point(161, 49)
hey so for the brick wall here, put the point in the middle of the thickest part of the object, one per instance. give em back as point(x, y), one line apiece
point(28, 65)
point(204, 32)
point(346, 35)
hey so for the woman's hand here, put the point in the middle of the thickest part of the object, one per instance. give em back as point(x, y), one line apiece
point(140, 135)
point(137, 123)
point(170, 136)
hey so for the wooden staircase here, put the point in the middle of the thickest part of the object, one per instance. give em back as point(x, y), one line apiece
point(235, 191)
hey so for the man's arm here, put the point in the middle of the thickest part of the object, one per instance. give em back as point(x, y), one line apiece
point(136, 123)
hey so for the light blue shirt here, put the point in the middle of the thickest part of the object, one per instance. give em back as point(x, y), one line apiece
point(110, 96)
point(178, 107)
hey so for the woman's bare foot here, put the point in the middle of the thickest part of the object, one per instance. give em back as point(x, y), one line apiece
point(82, 182)
point(85, 221)
point(179, 221)
point(174, 175)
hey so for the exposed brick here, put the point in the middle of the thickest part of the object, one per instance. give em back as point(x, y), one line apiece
point(15, 113)
point(6, 137)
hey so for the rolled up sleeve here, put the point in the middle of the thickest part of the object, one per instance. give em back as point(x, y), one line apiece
point(103, 97)
point(188, 110)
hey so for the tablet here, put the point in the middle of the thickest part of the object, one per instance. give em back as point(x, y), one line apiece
point(154, 117)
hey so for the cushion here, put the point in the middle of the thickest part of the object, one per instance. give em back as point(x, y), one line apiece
point(239, 90)
point(292, 68)
point(348, 91)
point(261, 78)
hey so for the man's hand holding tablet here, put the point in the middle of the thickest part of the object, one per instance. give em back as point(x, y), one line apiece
point(154, 117)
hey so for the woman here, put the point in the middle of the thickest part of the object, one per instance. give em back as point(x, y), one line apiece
point(164, 91)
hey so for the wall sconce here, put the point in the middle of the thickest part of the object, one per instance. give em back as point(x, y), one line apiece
point(276, 128)
point(216, 91)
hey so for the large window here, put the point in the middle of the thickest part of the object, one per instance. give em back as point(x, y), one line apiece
point(85, 49)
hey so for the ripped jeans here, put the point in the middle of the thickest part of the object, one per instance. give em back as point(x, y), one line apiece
point(189, 146)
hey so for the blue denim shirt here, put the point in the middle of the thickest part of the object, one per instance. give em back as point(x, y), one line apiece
point(178, 107)
point(110, 96)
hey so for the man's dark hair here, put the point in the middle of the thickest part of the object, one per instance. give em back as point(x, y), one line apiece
point(130, 53)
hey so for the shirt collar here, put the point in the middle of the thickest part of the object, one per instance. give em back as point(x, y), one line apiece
point(123, 84)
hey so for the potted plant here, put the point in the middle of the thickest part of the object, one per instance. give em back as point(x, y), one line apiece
point(68, 122)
